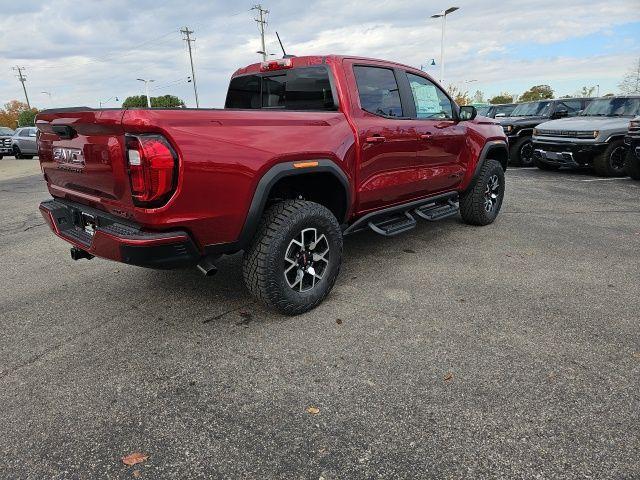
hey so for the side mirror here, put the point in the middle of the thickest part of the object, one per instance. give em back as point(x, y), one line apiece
point(500, 115)
point(561, 114)
point(467, 112)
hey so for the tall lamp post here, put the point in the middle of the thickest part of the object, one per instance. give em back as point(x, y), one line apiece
point(146, 89)
point(443, 15)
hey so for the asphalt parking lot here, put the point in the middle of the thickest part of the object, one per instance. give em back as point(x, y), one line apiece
point(508, 351)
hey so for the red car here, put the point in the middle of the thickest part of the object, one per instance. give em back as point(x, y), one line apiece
point(306, 150)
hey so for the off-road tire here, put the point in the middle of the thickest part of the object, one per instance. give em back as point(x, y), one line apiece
point(515, 151)
point(542, 165)
point(472, 202)
point(632, 165)
point(263, 267)
point(603, 162)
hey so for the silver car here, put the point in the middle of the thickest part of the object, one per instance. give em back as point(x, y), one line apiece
point(24, 142)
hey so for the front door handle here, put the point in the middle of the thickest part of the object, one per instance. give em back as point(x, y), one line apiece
point(425, 136)
point(376, 139)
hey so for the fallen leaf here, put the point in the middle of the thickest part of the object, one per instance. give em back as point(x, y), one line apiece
point(339, 321)
point(311, 410)
point(448, 377)
point(134, 458)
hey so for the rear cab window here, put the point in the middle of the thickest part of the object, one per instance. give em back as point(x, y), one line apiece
point(303, 88)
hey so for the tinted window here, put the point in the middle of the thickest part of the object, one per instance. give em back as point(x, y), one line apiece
point(378, 91)
point(613, 107)
point(484, 111)
point(571, 106)
point(296, 89)
point(532, 109)
point(505, 109)
point(431, 102)
point(244, 92)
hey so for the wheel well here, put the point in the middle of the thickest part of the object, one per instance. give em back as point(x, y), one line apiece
point(500, 154)
point(320, 187)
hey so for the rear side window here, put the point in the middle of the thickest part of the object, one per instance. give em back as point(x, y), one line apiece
point(297, 89)
point(378, 91)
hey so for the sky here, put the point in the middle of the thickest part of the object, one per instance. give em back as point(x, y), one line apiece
point(86, 52)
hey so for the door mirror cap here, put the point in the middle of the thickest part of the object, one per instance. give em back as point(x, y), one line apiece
point(467, 112)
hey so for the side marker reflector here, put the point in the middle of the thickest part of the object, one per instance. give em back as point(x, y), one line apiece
point(305, 164)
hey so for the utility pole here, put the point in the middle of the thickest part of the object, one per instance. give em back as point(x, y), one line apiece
point(23, 79)
point(188, 39)
point(261, 21)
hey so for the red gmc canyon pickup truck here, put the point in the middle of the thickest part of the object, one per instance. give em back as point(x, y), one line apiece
point(306, 150)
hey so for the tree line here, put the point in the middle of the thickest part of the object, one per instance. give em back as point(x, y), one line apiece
point(17, 114)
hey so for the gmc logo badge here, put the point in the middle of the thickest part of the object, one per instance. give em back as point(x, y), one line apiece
point(69, 158)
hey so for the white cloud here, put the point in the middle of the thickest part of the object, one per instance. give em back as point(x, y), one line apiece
point(84, 51)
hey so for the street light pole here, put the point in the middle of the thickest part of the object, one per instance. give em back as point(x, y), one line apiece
point(146, 89)
point(443, 15)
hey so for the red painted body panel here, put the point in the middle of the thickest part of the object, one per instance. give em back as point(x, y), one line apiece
point(223, 154)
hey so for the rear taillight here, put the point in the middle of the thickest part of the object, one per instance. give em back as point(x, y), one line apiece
point(153, 167)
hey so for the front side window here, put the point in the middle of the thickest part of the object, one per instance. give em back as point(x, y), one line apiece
point(431, 102)
point(378, 91)
point(306, 88)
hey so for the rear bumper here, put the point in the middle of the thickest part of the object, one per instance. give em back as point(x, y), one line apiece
point(106, 236)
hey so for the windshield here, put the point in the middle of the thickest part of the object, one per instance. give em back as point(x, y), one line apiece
point(6, 131)
point(532, 109)
point(483, 110)
point(613, 107)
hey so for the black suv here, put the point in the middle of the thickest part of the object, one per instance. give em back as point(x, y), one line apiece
point(496, 111)
point(5, 141)
point(632, 142)
point(526, 116)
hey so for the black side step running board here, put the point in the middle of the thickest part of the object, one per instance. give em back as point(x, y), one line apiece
point(394, 225)
point(433, 212)
point(398, 219)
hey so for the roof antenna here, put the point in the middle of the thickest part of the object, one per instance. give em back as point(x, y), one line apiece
point(284, 54)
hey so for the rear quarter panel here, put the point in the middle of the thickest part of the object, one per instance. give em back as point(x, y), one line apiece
point(224, 153)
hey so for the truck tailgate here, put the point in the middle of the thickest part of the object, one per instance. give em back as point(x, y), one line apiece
point(82, 156)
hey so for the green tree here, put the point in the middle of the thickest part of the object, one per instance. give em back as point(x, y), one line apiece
point(537, 92)
point(504, 97)
point(167, 101)
point(164, 101)
point(27, 118)
point(10, 113)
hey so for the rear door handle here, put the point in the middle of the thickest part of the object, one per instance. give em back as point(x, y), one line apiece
point(425, 136)
point(376, 139)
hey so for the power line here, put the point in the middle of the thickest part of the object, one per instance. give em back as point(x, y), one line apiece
point(262, 22)
point(188, 39)
point(22, 79)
